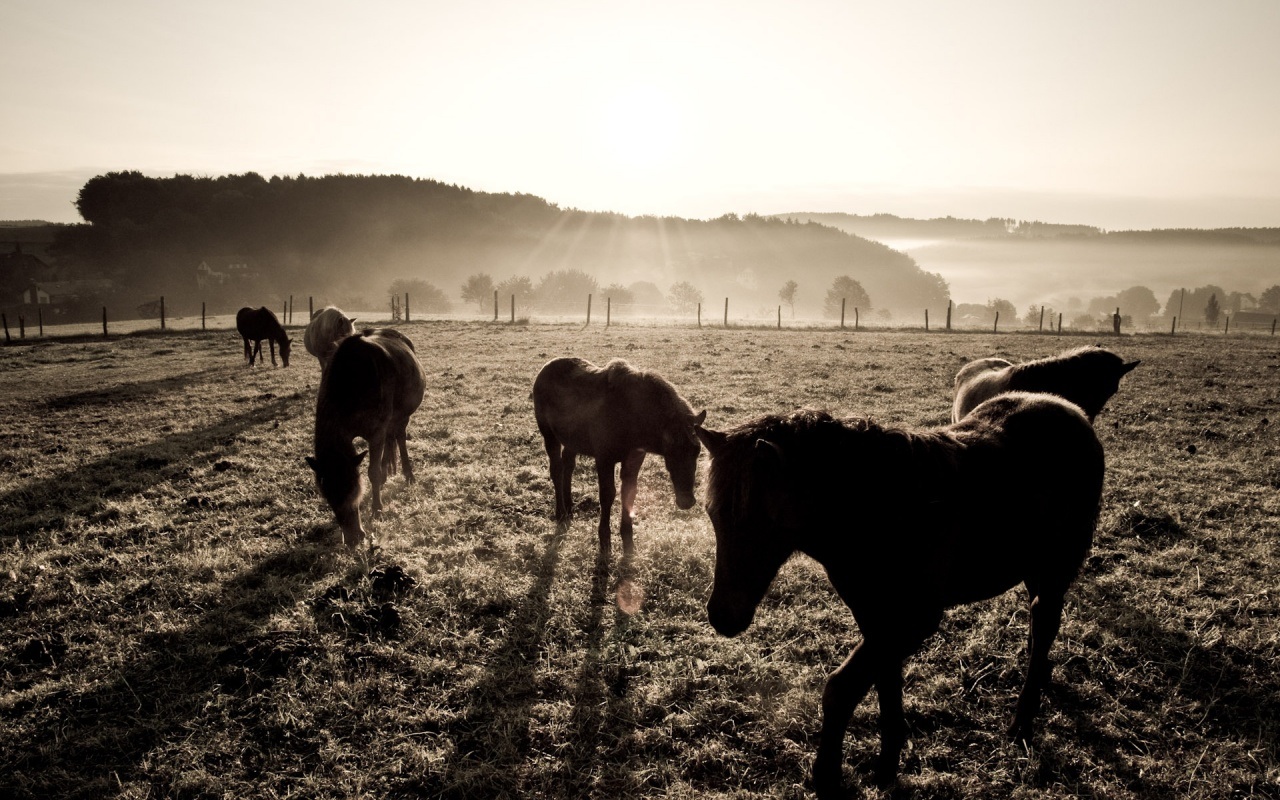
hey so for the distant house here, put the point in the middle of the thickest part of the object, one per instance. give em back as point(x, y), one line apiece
point(61, 292)
point(1252, 319)
point(20, 262)
point(221, 270)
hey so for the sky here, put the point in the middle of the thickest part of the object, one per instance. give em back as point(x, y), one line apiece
point(1132, 114)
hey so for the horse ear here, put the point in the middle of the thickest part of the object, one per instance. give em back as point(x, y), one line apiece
point(699, 419)
point(1127, 368)
point(311, 462)
point(714, 441)
point(771, 451)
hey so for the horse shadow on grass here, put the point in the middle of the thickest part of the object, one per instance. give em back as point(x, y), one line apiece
point(38, 506)
point(92, 742)
point(138, 390)
point(493, 740)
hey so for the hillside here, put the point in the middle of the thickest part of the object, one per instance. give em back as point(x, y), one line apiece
point(350, 236)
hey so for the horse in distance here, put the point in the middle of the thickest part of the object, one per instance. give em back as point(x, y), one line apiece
point(371, 388)
point(616, 414)
point(1087, 376)
point(903, 524)
point(256, 324)
point(328, 327)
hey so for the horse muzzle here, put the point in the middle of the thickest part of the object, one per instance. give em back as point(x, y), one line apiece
point(685, 500)
point(727, 621)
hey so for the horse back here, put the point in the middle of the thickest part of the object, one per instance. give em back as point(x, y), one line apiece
point(259, 323)
point(601, 412)
point(372, 378)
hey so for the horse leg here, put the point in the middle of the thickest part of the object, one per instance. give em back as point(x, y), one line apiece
point(906, 639)
point(630, 484)
point(257, 352)
point(1046, 618)
point(845, 688)
point(608, 490)
point(248, 356)
point(377, 473)
point(271, 345)
point(568, 461)
point(402, 441)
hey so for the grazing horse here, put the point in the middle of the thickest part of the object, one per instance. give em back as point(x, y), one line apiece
point(907, 525)
point(1087, 376)
point(328, 327)
point(256, 324)
point(372, 386)
point(616, 414)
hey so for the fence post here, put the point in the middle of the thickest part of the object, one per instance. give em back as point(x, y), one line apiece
point(40, 319)
point(926, 320)
point(1173, 328)
point(513, 309)
point(311, 308)
point(699, 314)
point(608, 311)
point(1059, 322)
point(5, 317)
point(1273, 326)
point(161, 312)
point(104, 322)
point(855, 318)
point(290, 309)
point(1041, 328)
point(406, 306)
point(779, 317)
point(495, 305)
point(22, 327)
point(1226, 326)
point(285, 314)
point(995, 328)
point(949, 315)
point(842, 299)
point(726, 312)
point(202, 315)
point(588, 308)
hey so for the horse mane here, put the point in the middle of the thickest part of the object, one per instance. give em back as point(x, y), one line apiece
point(813, 444)
point(646, 386)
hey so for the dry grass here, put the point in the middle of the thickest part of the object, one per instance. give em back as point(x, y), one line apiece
point(180, 620)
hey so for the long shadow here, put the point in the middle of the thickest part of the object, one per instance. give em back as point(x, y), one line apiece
point(27, 510)
point(137, 390)
point(89, 743)
point(493, 737)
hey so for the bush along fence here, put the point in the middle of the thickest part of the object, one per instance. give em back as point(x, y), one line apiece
point(1256, 322)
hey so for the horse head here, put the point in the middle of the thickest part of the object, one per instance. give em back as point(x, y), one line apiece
point(751, 510)
point(338, 479)
point(680, 454)
point(286, 345)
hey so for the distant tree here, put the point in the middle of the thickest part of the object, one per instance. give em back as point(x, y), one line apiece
point(1269, 300)
point(1212, 311)
point(849, 291)
point(684, 297)
point(478, 289)
point(1085, 322)
point(618, 294)
point(423, 296)
point(565, 288)
point(1032, 318)
point(517, 286)
point(647, 293)
point(787, 294)
point(1004, 308)
point(1138, 302)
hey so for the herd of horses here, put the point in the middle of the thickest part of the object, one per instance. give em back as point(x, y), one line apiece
point(901, 519)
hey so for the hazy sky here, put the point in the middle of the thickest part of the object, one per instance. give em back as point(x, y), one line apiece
point(1116, 114)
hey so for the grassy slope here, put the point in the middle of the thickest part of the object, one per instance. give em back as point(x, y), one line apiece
point(178, 619)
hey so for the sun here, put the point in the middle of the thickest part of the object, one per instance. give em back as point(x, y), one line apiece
point(640, 127)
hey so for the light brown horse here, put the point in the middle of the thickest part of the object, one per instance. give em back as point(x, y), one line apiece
point(1087, 376)
point(616, 414)
point(906, 525)
point(325, 330)
point(372, 386)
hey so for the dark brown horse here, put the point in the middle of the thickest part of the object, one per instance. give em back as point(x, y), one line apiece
point(907, 525)
point(372, 386)
point(1087, 376)
point(615, 414)
point(256, 324)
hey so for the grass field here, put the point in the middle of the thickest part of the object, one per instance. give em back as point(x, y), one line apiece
point(180, 618)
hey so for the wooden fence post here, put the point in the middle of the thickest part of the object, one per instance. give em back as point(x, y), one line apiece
point(1226, 326)
point(311, 308)
point(1041, 328)
point(285, 314)
point(948, 315)
point(726, 312)
point(842, 299)
point(161, 312)
point(22, 327)
point(104, 322)
point(699, 315)
point(513, 309)
point(1273, 326)
point(926, 320)
point(855, 318)
point(5, 318)
point(588, 308)
point(995, 328)
point(1173, 327)
point(290, 309)
point(779, 317)
point(406, 306)
point(608, 311)
point(40, 319)
point(202, 315)
point(1059, 322)
point(495, 305)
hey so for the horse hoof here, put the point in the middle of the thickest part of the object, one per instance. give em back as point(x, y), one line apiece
point(825, 782)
